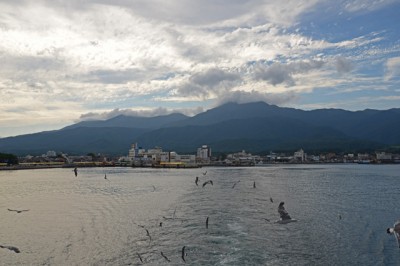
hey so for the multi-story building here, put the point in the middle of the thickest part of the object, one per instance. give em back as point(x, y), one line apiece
point(383, 157)
point(299, 156)
point(204, 154)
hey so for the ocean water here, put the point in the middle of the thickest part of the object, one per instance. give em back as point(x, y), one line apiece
point(342, 211)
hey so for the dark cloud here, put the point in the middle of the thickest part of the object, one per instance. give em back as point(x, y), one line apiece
point(107, 76)
point(254, 96)
point(211, 81)
point(279, 73)
point(275, 74)
point(30, 63)
point(343, 65)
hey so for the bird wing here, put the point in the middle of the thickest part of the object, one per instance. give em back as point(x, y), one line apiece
point(165, 257)
point(183, 254)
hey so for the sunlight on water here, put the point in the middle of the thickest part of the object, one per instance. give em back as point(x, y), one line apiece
point(342, 210)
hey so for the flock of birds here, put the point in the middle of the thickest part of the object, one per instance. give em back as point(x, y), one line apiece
point(183, 252)
point(395, 230)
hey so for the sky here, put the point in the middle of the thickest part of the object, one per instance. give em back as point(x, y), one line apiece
point(62, 61)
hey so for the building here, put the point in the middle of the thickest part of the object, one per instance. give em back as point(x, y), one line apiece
point(241, 159)
point(133, 151)
point(173, 157)
point(383, 157)
point(156, 157)
point(204, 154)
point(51, 154)
point(299, 156)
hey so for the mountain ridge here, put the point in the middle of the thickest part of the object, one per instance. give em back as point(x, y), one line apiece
point(255, 127)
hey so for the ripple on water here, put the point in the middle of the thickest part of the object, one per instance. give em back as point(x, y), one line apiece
point(91, 221)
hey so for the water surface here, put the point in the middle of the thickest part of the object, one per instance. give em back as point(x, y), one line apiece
point(342, 210)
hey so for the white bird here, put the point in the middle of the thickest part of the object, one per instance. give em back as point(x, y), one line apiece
point(395, 230)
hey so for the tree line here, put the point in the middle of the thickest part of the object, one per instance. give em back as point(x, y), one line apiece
point(8, 158)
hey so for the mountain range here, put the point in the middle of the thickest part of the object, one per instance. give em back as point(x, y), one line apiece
point(255, 127)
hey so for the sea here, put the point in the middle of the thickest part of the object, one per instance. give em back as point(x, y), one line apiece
point(148, 216)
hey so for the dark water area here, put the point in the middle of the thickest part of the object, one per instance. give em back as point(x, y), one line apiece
point(342, 211)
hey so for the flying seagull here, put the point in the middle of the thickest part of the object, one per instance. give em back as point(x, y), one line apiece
point(254, 184)
point(271, 200)
point(183, 254)
point(395, 230)
point(76, 171)
point(165, 257)
point(197, 180)
point(17, 211)
point(207, 222)
point(148, 234)
point(205, 173)
point(140, 258)
point(154, 188)
point(235, 184)
point(15, 249)
point(208, 182)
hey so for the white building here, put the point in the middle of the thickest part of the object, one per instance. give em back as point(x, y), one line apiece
point(299, 155)
point(204, 153)
point(382, 156)
point(133, 152)
point(51, 154)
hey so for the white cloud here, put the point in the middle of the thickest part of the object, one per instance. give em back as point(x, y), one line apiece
point(392, 68)
point(362, 5)
point(140, 112)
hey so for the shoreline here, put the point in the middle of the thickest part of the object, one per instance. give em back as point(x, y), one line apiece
point(103, 165)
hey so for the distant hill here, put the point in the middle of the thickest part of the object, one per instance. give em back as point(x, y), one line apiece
point(253, 134)
point(254, 127)
point(77, 141)
point(132, 121)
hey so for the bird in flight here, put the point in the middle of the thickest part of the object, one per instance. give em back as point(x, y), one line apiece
point(183, 254)
point(208, 182)
point(235, 184)
point(140, 258)
point(17, 211)
point(15, 249)
point(165, 257)
point(197, 180)
point(148, 234)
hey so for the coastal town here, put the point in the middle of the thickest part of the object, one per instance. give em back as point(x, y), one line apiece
point(158, 158)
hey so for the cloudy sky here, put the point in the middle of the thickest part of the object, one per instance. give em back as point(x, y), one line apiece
point(66, 61)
